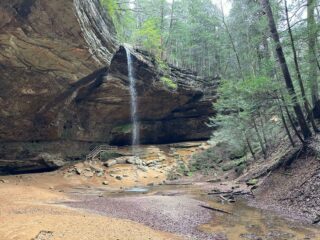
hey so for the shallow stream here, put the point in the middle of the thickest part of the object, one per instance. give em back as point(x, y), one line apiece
point(177, 209)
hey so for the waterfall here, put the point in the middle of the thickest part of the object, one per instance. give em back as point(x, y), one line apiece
point(134, 104)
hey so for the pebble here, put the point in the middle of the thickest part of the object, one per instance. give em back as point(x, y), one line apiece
point(118, 177)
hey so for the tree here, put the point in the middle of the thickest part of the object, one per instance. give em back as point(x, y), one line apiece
point(285, 70)
point(298, 72)
point(312, 39)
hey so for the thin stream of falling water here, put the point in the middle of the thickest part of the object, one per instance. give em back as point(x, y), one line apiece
point(134, 105)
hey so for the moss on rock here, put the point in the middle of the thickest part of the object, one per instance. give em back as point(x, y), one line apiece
point(168, 82)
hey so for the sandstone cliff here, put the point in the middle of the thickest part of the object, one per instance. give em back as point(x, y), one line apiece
point(64, 84)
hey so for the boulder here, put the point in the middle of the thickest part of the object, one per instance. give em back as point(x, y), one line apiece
point(110, 163)
point(43, 162)
point(131, 160)
point(52, 160)
point(143, 168)
point(121, 160)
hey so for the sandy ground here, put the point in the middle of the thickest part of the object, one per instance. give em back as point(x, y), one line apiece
point(28, 210)
point(70, 206)
point(33, 206)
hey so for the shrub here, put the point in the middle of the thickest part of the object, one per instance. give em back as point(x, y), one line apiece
point(168, 82)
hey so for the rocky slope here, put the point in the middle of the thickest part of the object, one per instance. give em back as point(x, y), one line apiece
point(65, 86)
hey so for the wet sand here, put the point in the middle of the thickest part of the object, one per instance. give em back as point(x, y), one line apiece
point(30, 208)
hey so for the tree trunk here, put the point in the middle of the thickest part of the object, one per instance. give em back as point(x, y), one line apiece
point(291, 120)
point(250, 147)
point(284, 122)
point(264, 135)
point(297, 68)
point(170, 24)
point(285, 70)
point(232, 43)
point(162, 30)
point(312, 41)
point(259, 138)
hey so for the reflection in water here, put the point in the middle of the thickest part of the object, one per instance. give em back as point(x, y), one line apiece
point(250, 223)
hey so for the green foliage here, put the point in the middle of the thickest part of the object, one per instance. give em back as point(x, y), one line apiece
point(205, 160)
point(122, 20)
point(233, 164)
point(183, 169)
point(169, 83)
point(149, 36)
point(172, 175)
point(162, 65)
point(253, 182)
point(111, 7)
point(240, 105)
point(221, 156)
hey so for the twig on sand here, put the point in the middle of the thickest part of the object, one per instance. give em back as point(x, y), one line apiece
point(230, 199)
point(215, 209)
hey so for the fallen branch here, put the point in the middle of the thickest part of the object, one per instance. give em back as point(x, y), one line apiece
point(218, 192)
point(231, 193)
point(229, 199)
point(215, 209)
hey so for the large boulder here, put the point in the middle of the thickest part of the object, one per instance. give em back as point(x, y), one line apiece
point(43, 162)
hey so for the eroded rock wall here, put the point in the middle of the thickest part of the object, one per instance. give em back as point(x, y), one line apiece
point(43, 50)
point(64, 79)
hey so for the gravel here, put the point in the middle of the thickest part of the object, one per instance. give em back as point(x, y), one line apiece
point(175, 214)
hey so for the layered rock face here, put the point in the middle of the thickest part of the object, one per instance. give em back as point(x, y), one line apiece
point(64, 83)
point(44, 49)
point(165, 115)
